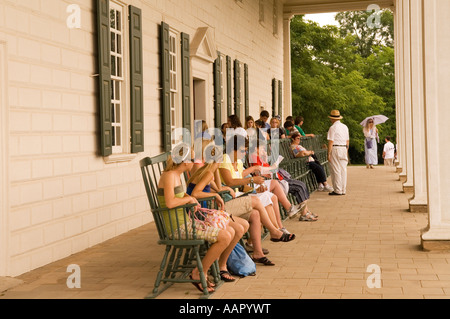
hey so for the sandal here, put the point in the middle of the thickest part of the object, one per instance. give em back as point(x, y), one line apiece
point(226, 276)
point(308, 217)
point(198, 285)
point(264, 260)
point(284, 238)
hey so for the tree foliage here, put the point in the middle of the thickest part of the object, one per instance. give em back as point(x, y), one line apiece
point(330, 70)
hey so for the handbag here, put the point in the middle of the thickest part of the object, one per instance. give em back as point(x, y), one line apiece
point(284, 174)
point(239, 262)
point(369, 143)
point(215, 218)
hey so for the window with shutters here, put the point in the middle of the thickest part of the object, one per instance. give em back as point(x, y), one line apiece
point(120, 67)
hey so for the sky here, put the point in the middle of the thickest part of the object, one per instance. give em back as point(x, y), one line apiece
point(322, 18)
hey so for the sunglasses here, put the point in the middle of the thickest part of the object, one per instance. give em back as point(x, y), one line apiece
point(241, 151)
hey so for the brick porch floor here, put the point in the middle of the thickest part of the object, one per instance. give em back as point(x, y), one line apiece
point(329, 258)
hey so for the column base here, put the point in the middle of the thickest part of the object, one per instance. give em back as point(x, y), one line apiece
point(435, 239)
point(408, 189)
point(399, 169)
point(402, 178)
point(436, 245)
point(414, 208)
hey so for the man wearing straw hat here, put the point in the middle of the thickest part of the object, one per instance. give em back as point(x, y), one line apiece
point(338, 142)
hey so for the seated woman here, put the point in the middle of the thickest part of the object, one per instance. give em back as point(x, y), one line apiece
point(317, 169)
point(232, 172)
point(297, 188)
point(275, 127)
point(171, 195)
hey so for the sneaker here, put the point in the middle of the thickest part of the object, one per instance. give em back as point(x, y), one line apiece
point(328, 188)
point(321, 188)
point(293, 211)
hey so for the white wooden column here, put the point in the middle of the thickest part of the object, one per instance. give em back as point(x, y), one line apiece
point(437, 99)
point(408, 163)
point(398, 100)
point(419, 202)
point(287, 82)
point(4, 175)
point(401, 140)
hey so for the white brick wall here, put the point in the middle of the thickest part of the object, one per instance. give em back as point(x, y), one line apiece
point(63, 197)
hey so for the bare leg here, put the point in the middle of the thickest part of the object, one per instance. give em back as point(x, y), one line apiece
point(276, 209)
point(216, 249)
point(275, 188)
point(255, 234)
point(265, 219)
point(239, 228)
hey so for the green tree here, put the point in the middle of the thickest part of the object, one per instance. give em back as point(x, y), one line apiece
point(367, 34)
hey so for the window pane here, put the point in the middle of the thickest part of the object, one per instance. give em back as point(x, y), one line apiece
point(118, 20)
point(119, 44)
point(113, 117)
point(118, 137)
point(113, 65)
point(113, 42)
point(112, 89)
point(112, 18)
point(119, 66)
point(117, 90)
point(117, 113)
point(113, 137)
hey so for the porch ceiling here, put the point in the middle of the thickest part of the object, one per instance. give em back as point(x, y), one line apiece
point(293, 7)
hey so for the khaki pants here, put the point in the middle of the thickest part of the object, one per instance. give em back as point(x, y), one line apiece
point(338, 167)
point(240, 207)
point(388, 162)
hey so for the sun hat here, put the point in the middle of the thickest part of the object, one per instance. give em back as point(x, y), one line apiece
point(335, 115)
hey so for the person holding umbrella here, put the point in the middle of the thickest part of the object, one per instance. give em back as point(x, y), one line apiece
point(370, 144)
point(371, 138)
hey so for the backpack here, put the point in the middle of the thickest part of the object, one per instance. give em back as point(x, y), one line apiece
point(239, 262)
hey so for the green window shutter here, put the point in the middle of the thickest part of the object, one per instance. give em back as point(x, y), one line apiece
point(237, 88)
point(186, 82)
point(104, 70)
point(137, 81)
point(274, 97)
point(247, 101)
point(217, 91)
point(280, 98)
point(229, 109)
point(165, 87)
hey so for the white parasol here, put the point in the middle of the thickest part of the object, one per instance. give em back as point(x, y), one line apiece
point(377, 119)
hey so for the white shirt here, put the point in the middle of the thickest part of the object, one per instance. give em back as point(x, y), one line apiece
point(389, 149)
point(338, 133)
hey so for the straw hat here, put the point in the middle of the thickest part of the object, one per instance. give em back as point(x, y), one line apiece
point(335, 115)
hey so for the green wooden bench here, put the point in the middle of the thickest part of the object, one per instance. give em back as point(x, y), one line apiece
point(183, 252)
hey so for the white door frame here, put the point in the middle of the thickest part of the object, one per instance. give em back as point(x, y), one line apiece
point(4, 177)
